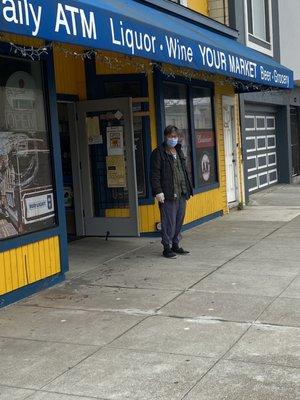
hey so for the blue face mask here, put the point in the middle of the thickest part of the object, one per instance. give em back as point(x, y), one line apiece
point(172, 142)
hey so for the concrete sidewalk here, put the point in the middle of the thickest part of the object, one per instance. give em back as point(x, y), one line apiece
point(221, 323)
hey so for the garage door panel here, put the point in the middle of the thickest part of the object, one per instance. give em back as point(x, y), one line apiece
point(250, 122)
point(261, 159)
point(271, 142)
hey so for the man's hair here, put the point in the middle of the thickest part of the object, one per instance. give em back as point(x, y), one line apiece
point(170, 129)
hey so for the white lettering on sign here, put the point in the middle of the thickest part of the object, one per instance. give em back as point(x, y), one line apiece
point(179, 51)
point(239, 65)
point(69, 18)
point(213, 58)
point(280, 78)
point(132, 39)
point(265, 75)
point(23, 12)
point(38, 206)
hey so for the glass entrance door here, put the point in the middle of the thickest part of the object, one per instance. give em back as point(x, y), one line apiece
point(110, 198)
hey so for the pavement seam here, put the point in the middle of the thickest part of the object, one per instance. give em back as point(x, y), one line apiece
point(233, 258)
point(49, 341)
point(276, 298)
point(251, 324)
point(216, 363)
point(91, 355)
point(263, 363)
point(64, 394)
point(69, 369)
point(221, 320)
point(160, 352)
point(202, 357)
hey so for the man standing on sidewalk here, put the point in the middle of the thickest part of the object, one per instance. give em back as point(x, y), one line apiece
point(172, 187)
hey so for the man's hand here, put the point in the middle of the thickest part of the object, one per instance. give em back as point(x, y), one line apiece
point(160, 197)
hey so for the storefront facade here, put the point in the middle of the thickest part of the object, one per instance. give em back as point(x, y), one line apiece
point(268, 120)
point(79, 125)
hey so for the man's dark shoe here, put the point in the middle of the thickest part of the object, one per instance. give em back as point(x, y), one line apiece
point(179, 250)
point(168, 253)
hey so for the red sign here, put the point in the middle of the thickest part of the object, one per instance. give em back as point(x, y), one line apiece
point(204, 139)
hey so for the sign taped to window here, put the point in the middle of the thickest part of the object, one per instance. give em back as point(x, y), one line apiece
point(115, 140)
point(116, 171)
point(93, 130)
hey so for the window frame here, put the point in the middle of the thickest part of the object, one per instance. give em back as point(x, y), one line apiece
point(57, 227)
point(256, 42)
point(59, 230)
point(193, 83)
point(181, 2)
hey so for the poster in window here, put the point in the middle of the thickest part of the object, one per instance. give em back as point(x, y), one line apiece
point(115, 140)
point(116, 172)
point(26, 189)
point(93, 130)
point(205, 152)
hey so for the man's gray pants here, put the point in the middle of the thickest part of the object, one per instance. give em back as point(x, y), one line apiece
point(172, 214)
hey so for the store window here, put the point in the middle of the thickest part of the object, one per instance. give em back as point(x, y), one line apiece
point(26, 185)
point(189, 107)
point(182, 2)
point(204, 137)
point(259, 24)
point(176, 113)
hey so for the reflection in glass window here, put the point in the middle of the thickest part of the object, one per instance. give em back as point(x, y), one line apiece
point(176, 113)
point(26, 187)
point(190, 109)
point(205, 151)
point(259, 19)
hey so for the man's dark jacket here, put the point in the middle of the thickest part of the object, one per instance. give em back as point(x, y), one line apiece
point(162, 172)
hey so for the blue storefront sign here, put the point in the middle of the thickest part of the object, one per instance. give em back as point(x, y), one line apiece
point(134, 29)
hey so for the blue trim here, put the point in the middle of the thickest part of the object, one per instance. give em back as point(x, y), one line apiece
point(202, 220)
point(190, 225)
point(23, 240)
point(29, 290)
point(104, 32)
point(58, 173)
point(206, 188)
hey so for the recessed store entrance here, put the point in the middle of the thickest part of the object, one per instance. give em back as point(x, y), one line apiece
point(109, 187)
point(70, 167)
point(98, 163)
point(295, 140)
point(230, 150)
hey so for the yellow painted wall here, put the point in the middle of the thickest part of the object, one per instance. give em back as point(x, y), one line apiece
point(69, 73)
point(201, 6)
point(28, 264)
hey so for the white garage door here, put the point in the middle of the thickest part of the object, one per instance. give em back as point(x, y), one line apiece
point(261, 154)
